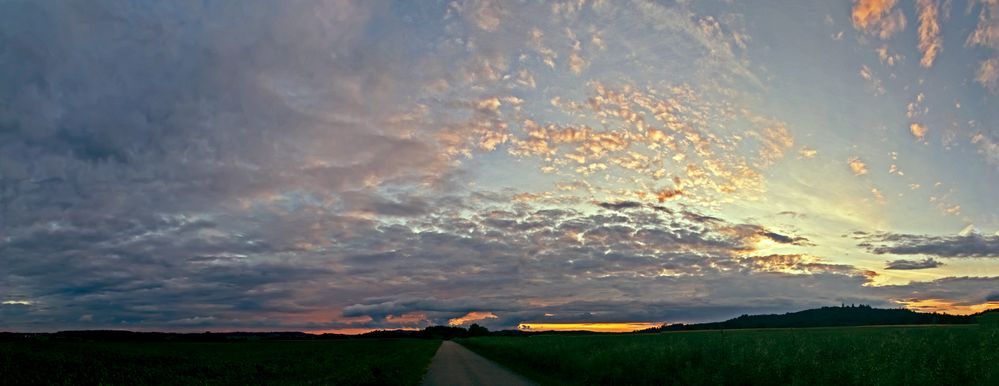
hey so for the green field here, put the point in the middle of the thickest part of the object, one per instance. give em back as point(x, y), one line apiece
point(335, 362)
point(931, 355)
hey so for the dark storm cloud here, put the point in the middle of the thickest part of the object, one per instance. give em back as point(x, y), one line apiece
point(121, 107)
point(958, 246)
point(784, 239)
point(165, 161)
point(620, 205)
point(250, 165)
point(913, 264)
point(960, 291)
point(270, 268)
point(603, 268)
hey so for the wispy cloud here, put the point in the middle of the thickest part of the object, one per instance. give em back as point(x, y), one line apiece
point(857, 166)
point(876, 17)
point(986, 34)
point(872, 80)
point(930, 42)
point(918, 130)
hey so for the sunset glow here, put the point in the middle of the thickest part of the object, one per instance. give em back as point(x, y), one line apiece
point(598, 327)
point(600, 165)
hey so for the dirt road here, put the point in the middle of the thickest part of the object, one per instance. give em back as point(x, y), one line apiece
point(457, 366)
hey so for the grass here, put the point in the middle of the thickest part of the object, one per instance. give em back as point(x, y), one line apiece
point(337, 362)
point(934, 355)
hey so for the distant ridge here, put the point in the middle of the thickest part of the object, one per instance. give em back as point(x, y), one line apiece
point(432, 332)
point(861, 315)
point(843, 316)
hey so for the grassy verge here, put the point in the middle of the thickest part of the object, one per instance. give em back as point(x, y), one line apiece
point(964, 355)
point(339, 362)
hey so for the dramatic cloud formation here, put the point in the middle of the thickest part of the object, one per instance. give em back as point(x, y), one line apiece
point(913, 264)
point(968, 245)
point(929, 32)
point(351, 165)
point(497, 261)
point(955, 294)
point(876, 17)
point(651, 137)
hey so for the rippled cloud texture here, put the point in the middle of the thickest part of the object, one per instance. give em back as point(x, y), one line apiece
point(346, 166)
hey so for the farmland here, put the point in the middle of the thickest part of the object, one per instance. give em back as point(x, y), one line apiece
point(930, 355)
point(339, 362)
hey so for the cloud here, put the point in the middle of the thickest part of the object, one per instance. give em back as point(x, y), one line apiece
point(783, 239)
point(312, 268)
point(471, 317)
point(652, 135)
point(875, 82)
point(886, 58)
point(868, 12)
point(620, 205)
point(963, 295)
point(876, 17)
point(987, 146)
point(486, 14)
point(958, 246)
point(988, 74)
point(807, 153)
point(182, 173)
point(929, 32)
point(156, 114)
point(913, 264)
point(878, 196)
point(918, 130)
point(803, 264)
point(986, 34)
point(858, 167)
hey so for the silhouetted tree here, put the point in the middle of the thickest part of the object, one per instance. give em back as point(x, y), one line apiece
point(476, 330)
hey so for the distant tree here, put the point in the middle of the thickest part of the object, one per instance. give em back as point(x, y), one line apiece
point(476, 330)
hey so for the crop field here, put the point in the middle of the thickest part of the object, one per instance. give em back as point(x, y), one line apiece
point(336, 362)
point(930, 355)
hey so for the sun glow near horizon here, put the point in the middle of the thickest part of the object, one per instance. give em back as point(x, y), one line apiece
point(594, 327)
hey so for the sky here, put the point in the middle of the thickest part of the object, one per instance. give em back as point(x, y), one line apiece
point(344, 166)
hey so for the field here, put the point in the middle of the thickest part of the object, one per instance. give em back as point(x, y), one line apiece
point(337, 362)
point(930, 355)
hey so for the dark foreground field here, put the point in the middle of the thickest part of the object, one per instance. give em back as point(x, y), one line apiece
point(930, 355)
point(336, 362)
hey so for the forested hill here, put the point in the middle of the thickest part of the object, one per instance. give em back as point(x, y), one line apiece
point(862, 315)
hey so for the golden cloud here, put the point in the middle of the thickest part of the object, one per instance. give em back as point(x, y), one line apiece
point(876, 17)
point(653, 135)
point(918, 130)
point(878, 196)
point(471, 317)
point(868, 12)
point(858, 167)
point(930, 42)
